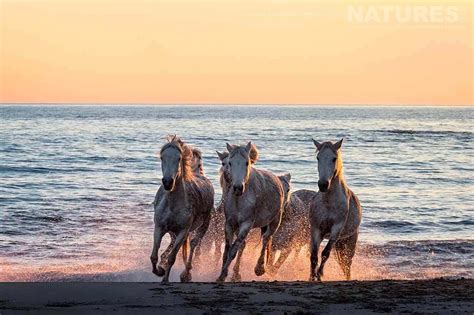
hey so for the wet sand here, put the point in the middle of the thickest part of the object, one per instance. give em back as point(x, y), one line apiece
point(357, 297)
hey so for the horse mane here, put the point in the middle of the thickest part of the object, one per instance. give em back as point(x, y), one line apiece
point(285, 182)
point(198, 154)
point(186, 155)
point(222, 176)
point(223, 181)
point(253, 154)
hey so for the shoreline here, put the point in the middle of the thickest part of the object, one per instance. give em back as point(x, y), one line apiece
point(360, 297)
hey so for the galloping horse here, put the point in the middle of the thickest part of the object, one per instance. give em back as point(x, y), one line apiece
point(197, 168)
point(335, 213)
point(255, 201)
point(184, 207)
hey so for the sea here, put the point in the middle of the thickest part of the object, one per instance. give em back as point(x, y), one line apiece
point(77, 183)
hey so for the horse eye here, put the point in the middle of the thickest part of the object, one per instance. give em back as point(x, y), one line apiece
point(317, 158)
point(230, 164)
point(334, 160)
point(247, 163)
point(223, 164)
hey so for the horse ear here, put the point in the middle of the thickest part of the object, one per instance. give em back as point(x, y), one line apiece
point(338, 144)
point(220, 155)
point(229, 147)
point(249, 146)
point(317, 144)
point(288, 177)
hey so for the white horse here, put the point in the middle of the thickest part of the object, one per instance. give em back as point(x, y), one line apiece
point(335, 213)
point(185, 207)
point(255, 201)
point(218, 221)
point(197, 168)
point(293, 233)
point(215, 234)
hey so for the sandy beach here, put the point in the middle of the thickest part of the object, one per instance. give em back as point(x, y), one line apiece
point(358, 297)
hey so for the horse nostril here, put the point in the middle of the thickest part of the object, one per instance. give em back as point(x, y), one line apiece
point(323, 185)
point(238, 189)
point(167, 183)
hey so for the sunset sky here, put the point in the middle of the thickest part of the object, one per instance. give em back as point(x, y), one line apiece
point(248, 51)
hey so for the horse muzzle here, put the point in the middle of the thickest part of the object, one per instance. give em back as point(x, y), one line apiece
point(323, 186)
point(168, 183)
point(238, 190)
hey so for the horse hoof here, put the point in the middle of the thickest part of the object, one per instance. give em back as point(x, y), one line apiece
point(221, 279)
point(185, 276)
point(259, 270)
point(159, 271)
point(236, 278)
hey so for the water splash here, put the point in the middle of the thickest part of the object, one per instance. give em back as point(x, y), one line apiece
point(396, 260)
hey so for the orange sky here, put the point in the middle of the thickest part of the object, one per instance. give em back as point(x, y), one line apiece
point(248, 51)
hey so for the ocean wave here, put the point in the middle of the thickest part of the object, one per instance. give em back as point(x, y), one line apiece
point(458, 246)
point(55, 218)
point(42, 170)
point(459, 135)
point(426, 132)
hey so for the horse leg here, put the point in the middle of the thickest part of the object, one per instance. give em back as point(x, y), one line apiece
point(236, 277)
point(270, 253)
point(157, 236)
point(284, 253)
point(316, 238)
point(266, 246)
point(218, 249)
point(345, 250)
point(180, 238)
point(335, 231)
point(195, 242)
point(244, 230)
point(197, 251)
point(160, 271)
point(324, 258)
point(206, 240)
point(229, 236)
point(297, 251)
point(219, 236)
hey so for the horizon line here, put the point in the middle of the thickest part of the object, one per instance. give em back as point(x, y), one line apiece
point(228, 104)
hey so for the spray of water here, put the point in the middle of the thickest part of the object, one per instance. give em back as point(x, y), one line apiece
point(132, 264)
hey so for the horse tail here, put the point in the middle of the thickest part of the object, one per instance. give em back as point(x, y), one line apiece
point(184, 250)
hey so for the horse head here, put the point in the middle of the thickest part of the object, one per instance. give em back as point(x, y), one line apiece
point(240, 163)
point(329, 162)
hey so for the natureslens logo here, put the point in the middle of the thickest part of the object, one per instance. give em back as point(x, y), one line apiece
point(402, 14)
